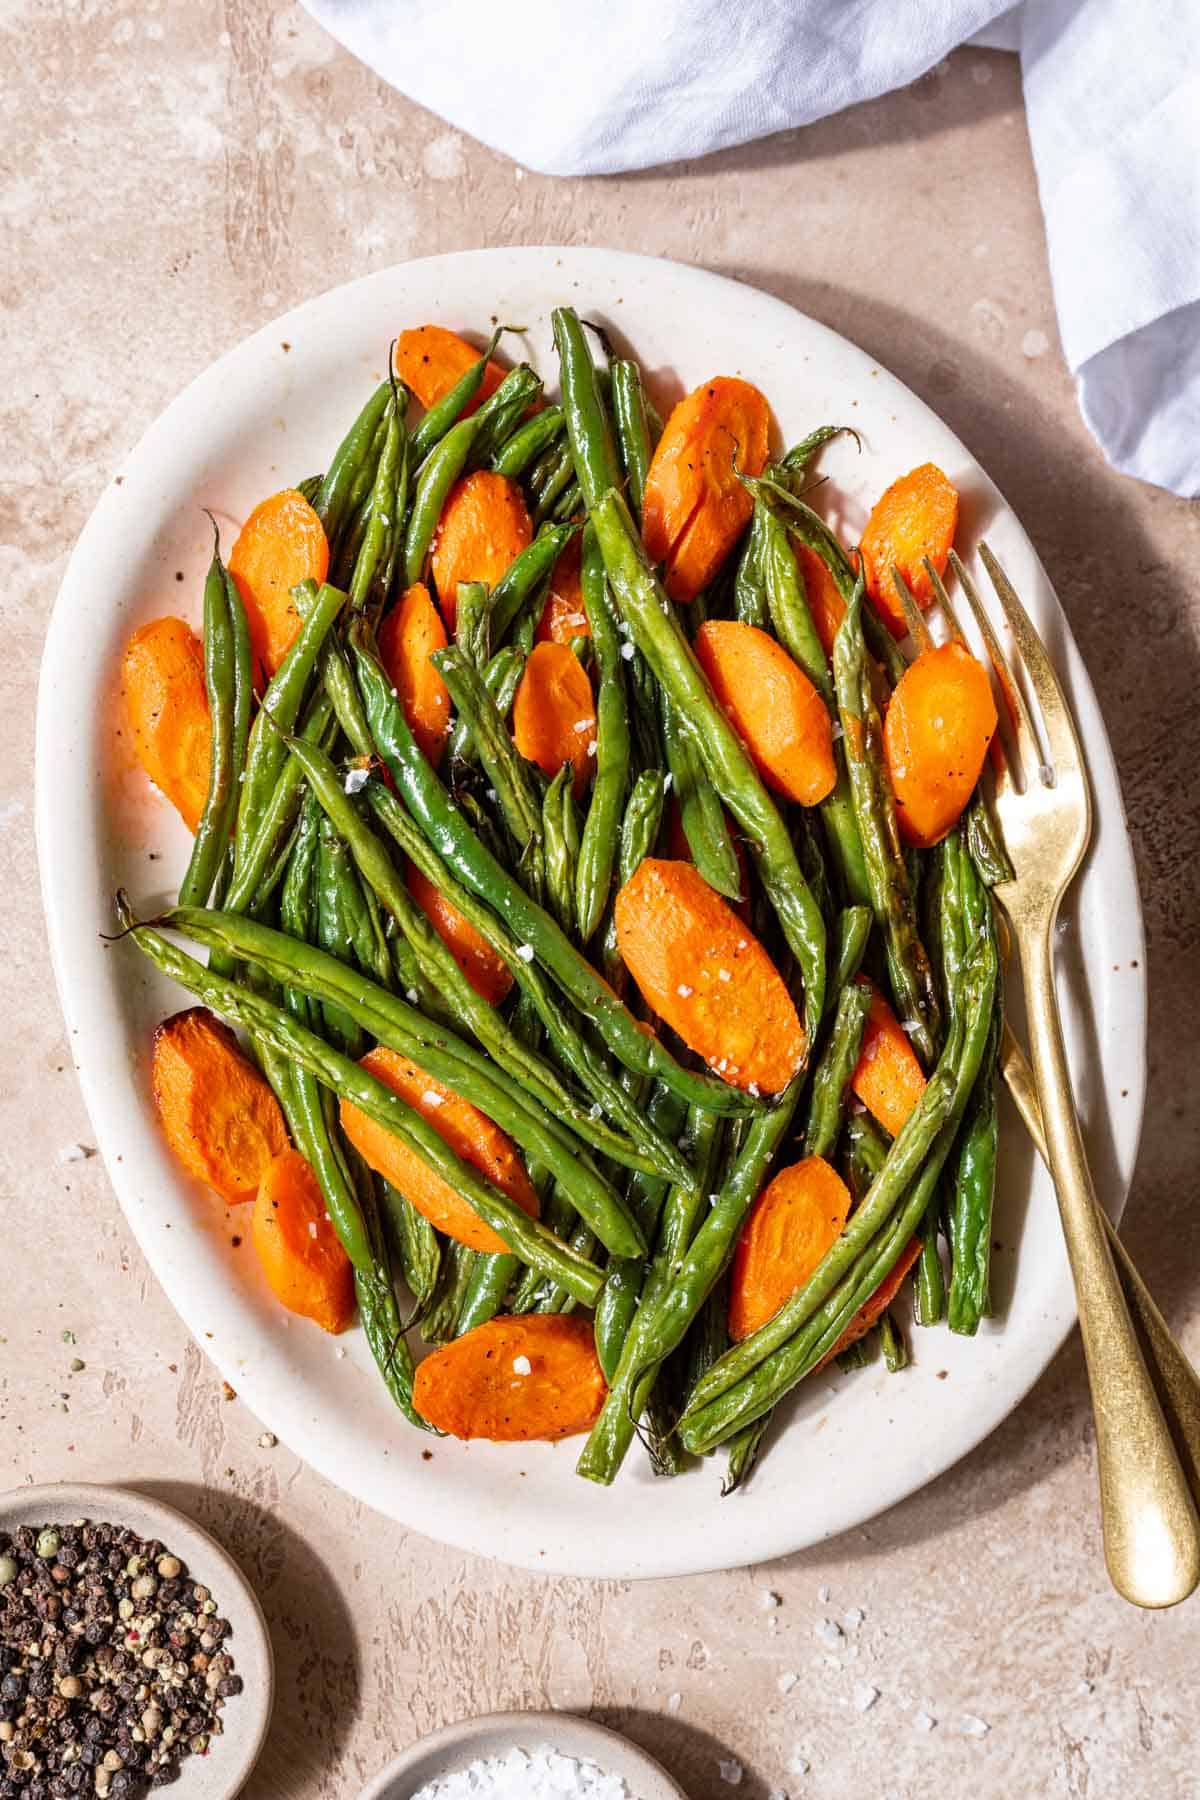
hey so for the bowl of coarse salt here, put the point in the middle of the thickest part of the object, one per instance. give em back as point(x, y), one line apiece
point(524, 1756)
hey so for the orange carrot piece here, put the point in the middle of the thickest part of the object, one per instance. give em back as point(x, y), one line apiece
point(563, 616)
point(913, 519)
point(888, 1079)
point(695, 508)
point(825, 603)
point(872, 1310)
point(707, 976)
point(773, 707)
point(483, 529)
point(487, 973)
point(513, 1380)
point(469, 1133)
point(429, 359)
point(166, 704)
point(940, 722)
point(306, 1268)
point(554, 714)
point(408, 637)
point(791, 1225)
point(218, 1114)
point(281, 543)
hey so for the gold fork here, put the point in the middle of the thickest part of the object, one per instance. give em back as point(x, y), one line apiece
point(1175, 1380)
point(1151, 1530)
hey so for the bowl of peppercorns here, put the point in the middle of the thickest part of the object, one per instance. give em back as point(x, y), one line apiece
point(133, 1652)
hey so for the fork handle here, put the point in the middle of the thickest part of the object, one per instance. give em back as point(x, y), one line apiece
point(1175, 1380)
point(1151, 1531)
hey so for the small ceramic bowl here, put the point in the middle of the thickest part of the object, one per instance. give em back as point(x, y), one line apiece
point(223, 1772)
point(456, 1746)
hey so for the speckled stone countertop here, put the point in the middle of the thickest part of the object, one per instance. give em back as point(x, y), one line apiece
point(173, 176)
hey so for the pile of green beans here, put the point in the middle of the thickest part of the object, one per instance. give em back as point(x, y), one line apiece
point(646, 1165)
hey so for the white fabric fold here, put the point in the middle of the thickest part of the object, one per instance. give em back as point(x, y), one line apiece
point(1112, 92)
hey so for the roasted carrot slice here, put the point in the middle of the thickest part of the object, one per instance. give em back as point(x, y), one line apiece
point(554, 715)
point(940, 722)
point(707, 976)
point(408, 637)
point(773, 706)
point(281, 543)
point(218, 1114)
point(483, 529)
point(791, 1225)
point(913, 519)
point(872, 1310)
point(166, 704)
point(429, 359)
point(512, 1380)
point(824, 601)
point(695, 507)
point(487, 973)
point(306, 1268)
point(888, 1079)
point(469, 1133)
point(563, 616)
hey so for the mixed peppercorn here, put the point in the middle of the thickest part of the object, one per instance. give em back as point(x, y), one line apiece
point(113, 1665)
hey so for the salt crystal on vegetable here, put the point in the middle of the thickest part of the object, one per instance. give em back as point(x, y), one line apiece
point(522, 1365)
point(432, 1099)
point(525, 952)
point(627, 651)
point(684, 991)
point(356, 780)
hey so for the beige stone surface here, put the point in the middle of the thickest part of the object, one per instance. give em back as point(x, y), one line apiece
point(172, 177)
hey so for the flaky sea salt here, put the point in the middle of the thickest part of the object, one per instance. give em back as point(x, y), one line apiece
point(73, 1153)
point(542, 1774)
point(854, 1618)
point(971, 1726)
point(525, 952)
point(522, 1365)
point(356, 780)
point(865, 1696)
point(924, 1721)
point(829, 1632)
point(787, 1681)
point(768, 1600)
point(674, 1702)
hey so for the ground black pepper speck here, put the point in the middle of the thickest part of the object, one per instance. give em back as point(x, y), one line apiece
point(112, 1666)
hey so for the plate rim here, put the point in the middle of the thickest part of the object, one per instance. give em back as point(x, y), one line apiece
point(581, 1560)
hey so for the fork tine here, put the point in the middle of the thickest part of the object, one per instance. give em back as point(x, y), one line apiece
point(1061, 737)
point(1024, 730)
point(944, 601)
point(914, 618)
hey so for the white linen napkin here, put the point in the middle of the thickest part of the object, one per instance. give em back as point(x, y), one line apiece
point(1112, 91)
